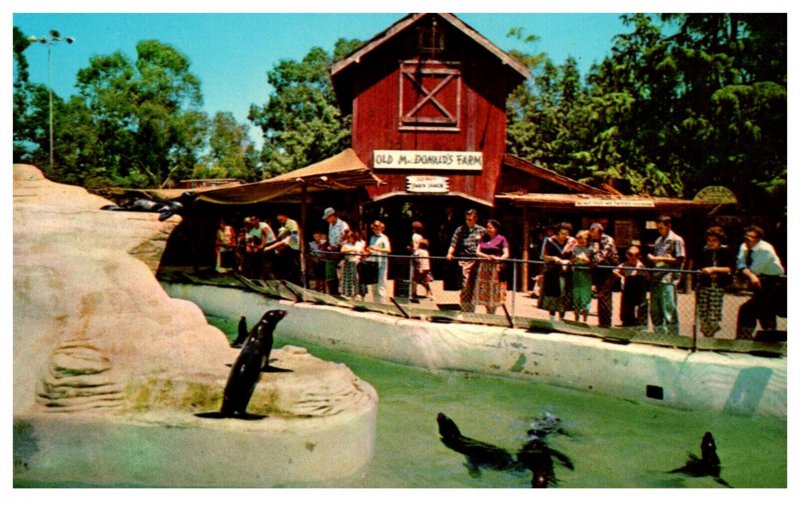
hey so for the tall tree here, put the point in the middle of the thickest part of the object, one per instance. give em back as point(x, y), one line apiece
point(231, 153)
point(30, 105)
point(301, 122)
point(132, 123)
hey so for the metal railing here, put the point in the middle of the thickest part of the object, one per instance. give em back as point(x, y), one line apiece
point(502, 302)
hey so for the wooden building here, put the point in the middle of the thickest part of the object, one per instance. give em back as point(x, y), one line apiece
point(428, 102)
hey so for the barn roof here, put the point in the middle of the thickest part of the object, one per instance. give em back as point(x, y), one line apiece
point(509, 160)
point(400, 26)
point(344, 66)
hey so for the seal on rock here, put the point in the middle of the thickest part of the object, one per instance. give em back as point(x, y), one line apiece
point(241, 334)
point(165, 210)
point(246, 371)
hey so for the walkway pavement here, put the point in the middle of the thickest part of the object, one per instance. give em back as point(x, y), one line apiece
point(525, 305)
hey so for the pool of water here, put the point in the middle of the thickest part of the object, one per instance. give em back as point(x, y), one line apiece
point(612, 444)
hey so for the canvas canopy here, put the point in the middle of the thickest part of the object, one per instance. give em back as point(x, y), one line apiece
point(340, 172)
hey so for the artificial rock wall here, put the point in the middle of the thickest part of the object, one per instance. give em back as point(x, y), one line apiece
point(104, 360)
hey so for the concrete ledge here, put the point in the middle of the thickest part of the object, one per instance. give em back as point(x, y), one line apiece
point(186, 451)
point(734, 383)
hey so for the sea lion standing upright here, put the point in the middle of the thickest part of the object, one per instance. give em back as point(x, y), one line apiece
point(246, 371)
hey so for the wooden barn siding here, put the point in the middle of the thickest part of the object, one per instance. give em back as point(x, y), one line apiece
point(482, 123)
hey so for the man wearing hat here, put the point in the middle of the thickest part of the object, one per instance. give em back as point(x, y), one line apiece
point(336, 229)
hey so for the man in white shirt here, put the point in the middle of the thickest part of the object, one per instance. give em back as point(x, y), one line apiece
point(260, 235)
point(336, 229)
point(759, 263)
point(669, 252)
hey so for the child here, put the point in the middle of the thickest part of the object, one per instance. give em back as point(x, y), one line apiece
point(320, 243)
point(352, 249)
point(422, 270)
point(633, 310)
point(582, 276)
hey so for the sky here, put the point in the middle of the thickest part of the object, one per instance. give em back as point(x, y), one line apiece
point(231, 53)
point(232, 45)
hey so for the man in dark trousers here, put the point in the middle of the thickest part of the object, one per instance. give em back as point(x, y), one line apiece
point(759, 263)
point(605, 258)
point(464, 244)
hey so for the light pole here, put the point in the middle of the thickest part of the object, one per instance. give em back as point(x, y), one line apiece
point(54, 37)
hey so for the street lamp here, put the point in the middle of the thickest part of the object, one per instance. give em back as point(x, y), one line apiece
point(54, 37)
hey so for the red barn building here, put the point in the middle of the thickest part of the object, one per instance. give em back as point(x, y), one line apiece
point(428, 102)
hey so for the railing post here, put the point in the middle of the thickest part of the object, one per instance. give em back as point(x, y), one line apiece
point(514, 290)
point(695, 323)
point(411, 278)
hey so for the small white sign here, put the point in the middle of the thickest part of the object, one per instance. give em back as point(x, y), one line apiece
point(427, 184)
point(427, 160)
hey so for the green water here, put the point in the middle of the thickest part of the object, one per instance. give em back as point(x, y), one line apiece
point(613, 443)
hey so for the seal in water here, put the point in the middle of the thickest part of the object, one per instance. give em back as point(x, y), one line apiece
point(545, 424)
point(706, 466)
point(246, 371)
point(241, 334)
point(479, 454)
point(537, 457)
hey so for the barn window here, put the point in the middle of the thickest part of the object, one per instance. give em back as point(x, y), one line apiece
point(430, 95)
point(430, 41)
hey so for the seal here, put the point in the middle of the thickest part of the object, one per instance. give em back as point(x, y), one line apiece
point(537, 456)
point(479, 454)
point(165, 210)
point(708, 465)
point(246, 371)
point(241, 334)
point(546, 424)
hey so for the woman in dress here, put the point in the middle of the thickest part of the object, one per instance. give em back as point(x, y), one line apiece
point(582, 275)
point(557, 285)
point(352, 250)
point(492, 249)
point(716, 264)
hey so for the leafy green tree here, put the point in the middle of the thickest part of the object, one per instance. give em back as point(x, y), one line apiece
point(231, 153)
point(132, 123)
point(30, 107)
point(699, 101)
point(301, 121)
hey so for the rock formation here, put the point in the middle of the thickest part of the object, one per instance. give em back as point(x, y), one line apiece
point(96, 337)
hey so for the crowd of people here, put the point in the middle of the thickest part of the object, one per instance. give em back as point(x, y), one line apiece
point(575, 269)
point(586, 266)
point(256, 251)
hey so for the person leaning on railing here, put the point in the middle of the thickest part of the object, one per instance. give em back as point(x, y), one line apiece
point(758, 262)
point(716, 265)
